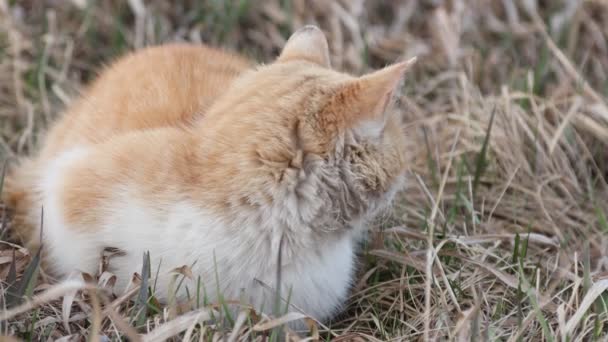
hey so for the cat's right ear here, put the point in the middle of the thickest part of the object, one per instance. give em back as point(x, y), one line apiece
point(308, 43)
point(367, 100)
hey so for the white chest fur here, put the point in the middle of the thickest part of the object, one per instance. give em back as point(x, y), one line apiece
point(238, 259)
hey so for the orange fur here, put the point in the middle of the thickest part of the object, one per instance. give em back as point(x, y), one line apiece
point(160, 86)
point(235, 149)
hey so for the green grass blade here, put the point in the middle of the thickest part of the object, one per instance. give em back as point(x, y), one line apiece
point(524, 246)
point(3, 175)
point(141, 304)
point(156, 276)
point(220, 296)
point(482, 161)
point(30, 277)
point(601, 219)
point(25, 286)
point(32, 327)
point(516, 248)
point(198, 292)
point(11, 281)
point(540, 317)
point(278, 331)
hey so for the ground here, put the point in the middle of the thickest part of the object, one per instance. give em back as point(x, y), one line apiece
point(501, 233)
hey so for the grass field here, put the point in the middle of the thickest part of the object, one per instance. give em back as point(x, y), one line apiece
point(502, 231)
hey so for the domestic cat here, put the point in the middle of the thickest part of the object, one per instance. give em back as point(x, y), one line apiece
point(291, 156)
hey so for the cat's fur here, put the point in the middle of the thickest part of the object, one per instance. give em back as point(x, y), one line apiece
point(291, 151)
point(169, 85)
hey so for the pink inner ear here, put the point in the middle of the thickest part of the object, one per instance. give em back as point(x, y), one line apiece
point(385, 102)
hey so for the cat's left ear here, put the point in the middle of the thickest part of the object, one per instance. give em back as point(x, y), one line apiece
point(308, 43)
point(369, 98)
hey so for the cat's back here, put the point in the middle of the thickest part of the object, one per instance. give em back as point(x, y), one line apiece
point(165, 85)
point(161, 86)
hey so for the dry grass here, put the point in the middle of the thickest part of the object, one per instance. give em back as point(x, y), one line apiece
point(502, 232)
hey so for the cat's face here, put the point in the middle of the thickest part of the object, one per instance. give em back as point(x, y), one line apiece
point(324, 147)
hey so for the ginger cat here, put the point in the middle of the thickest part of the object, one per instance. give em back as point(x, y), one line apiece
point(212, 171)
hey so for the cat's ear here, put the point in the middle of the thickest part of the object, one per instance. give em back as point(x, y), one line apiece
point(370, 97)
point(308, 43)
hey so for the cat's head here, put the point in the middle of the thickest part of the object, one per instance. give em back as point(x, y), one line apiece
point(308, 143)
